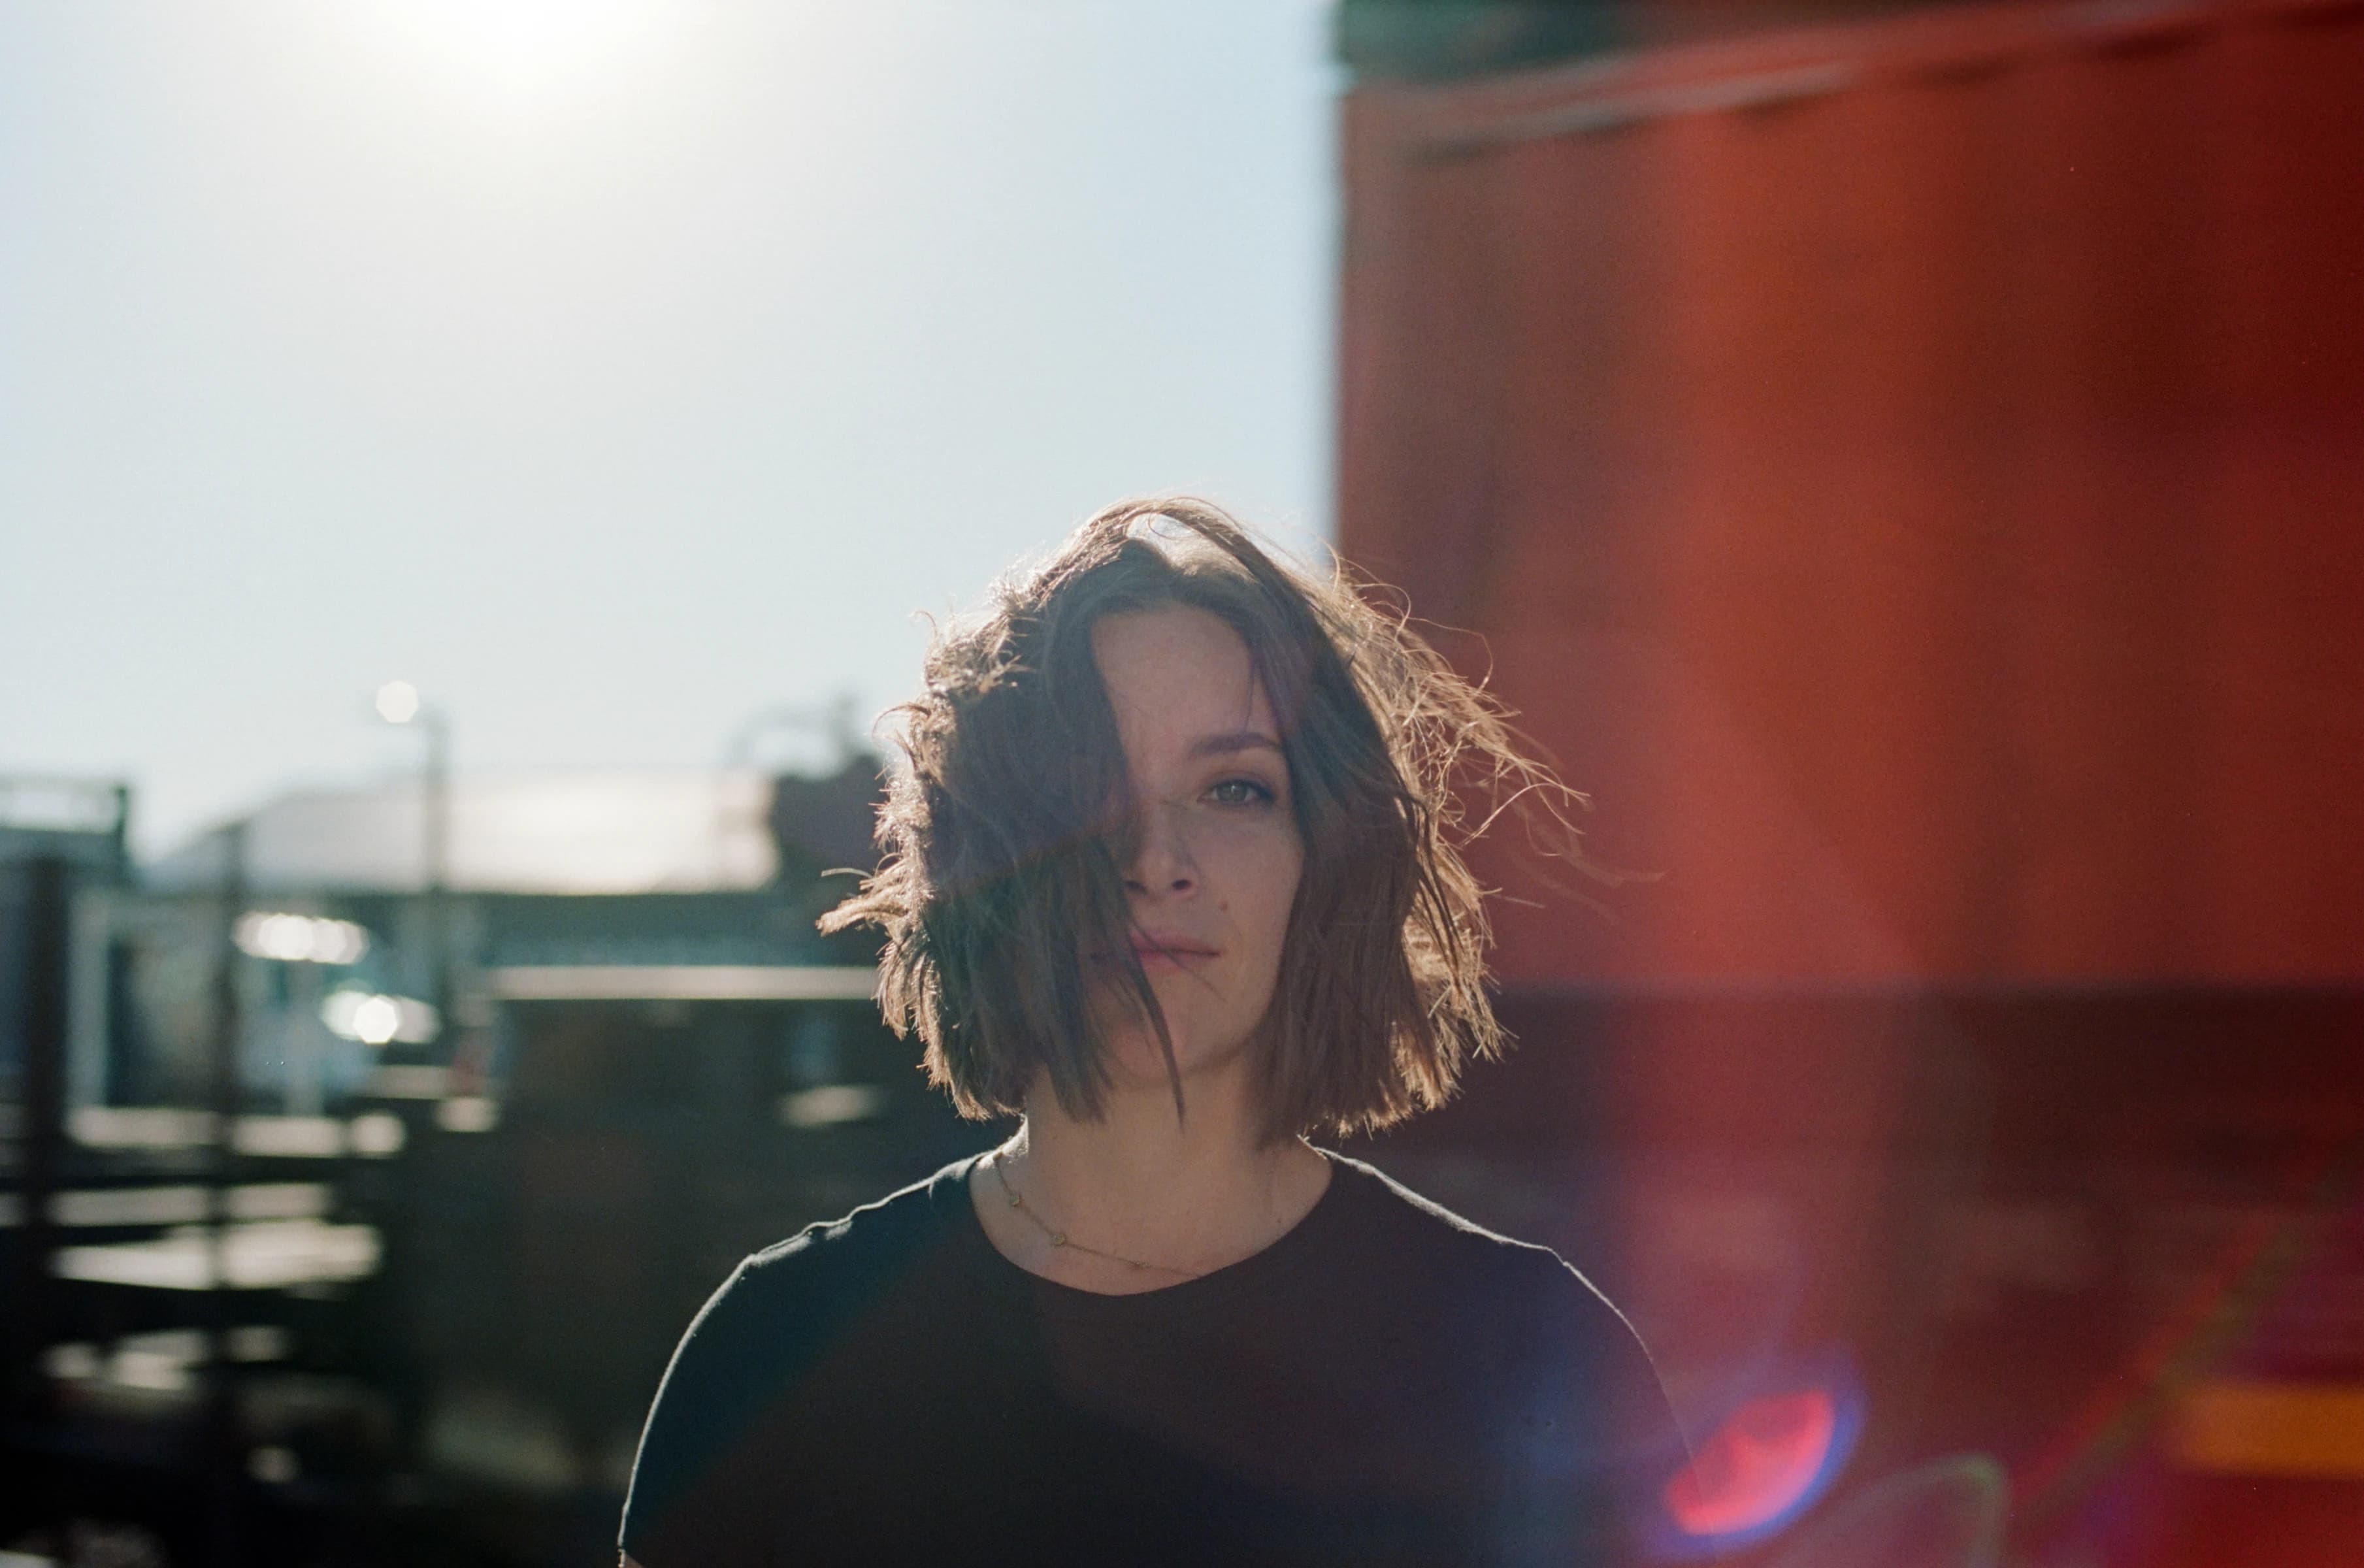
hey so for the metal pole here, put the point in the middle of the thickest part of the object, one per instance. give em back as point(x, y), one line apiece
point(221, 1458)
point(306, 1095)
point(437, 784)
point(40, 1136)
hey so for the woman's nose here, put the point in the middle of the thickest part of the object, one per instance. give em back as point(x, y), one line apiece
point(1161, 857)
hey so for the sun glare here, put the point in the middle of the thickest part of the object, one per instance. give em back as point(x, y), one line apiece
point(521, 54)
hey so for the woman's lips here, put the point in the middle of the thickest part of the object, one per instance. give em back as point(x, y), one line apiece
point(1170, 951)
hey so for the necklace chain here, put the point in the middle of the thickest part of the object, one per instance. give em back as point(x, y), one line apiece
point(1059, 1239)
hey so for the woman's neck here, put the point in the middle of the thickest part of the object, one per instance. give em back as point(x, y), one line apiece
point(1144, 1199)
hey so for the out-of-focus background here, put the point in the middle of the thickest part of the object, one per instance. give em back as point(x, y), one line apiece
point(468, 472)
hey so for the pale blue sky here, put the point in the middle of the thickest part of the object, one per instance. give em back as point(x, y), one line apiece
point(612, 380)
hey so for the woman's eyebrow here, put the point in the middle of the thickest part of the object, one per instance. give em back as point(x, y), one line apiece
point(1233, 740)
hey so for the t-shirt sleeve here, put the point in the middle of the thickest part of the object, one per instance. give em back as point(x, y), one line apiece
point(684, 1507)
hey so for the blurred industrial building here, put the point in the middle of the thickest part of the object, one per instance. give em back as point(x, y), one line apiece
point(306, 1264)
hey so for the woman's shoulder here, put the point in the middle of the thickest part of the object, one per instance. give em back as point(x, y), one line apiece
point(780, 1299)
point(784, 1304)
point(1380, 1202)
point(777, 1299)
point(1426, 1234)
point(882, 1233)
point(1520, 1310)
point(778, 1314)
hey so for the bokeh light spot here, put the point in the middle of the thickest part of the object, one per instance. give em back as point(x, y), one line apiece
point(1759, 1463)
point(375, 1020)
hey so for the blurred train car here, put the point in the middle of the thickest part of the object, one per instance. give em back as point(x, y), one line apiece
point(1906, 460)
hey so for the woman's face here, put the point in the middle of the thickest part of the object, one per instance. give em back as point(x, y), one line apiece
point(1212, 882)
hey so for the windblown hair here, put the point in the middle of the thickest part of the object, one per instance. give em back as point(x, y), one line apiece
point(1005, 839)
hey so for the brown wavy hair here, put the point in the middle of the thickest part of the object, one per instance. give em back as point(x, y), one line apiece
point(1004, 840)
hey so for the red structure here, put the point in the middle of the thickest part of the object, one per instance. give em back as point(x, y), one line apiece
point(1914, 472)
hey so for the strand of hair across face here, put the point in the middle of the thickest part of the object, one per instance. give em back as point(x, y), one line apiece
point(1060, 1239)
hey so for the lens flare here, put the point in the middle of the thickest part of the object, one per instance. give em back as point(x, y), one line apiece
point(1952, 1511)
point(1756, 1466)
point(1774, 1453)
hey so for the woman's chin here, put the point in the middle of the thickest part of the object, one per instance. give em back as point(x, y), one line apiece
point(1135, 1063)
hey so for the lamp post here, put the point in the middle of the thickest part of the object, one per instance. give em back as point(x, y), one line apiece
point(398, 703)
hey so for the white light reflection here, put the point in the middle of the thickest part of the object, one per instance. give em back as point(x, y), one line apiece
point(300, 938)
point(375, 1020)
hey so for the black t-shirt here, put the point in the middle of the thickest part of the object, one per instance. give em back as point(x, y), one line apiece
point(1387, 1383)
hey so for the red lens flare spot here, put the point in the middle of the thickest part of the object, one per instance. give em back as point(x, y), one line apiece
point(1763, 1458)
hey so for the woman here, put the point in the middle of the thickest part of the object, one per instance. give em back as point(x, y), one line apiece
point(1171, 875)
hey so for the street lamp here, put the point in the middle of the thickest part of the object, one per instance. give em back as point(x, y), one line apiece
point(398, 703)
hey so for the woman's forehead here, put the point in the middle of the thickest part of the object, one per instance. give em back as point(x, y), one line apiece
point(1179, 680)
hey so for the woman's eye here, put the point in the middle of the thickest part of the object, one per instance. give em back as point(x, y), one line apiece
point(1240, 792)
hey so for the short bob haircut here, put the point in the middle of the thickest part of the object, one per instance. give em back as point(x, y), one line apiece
point(1004, 838)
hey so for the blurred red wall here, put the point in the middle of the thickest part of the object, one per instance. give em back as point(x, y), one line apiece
point(1913, 473)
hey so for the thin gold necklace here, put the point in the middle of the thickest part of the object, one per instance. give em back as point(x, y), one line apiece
point(1058, 1237)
